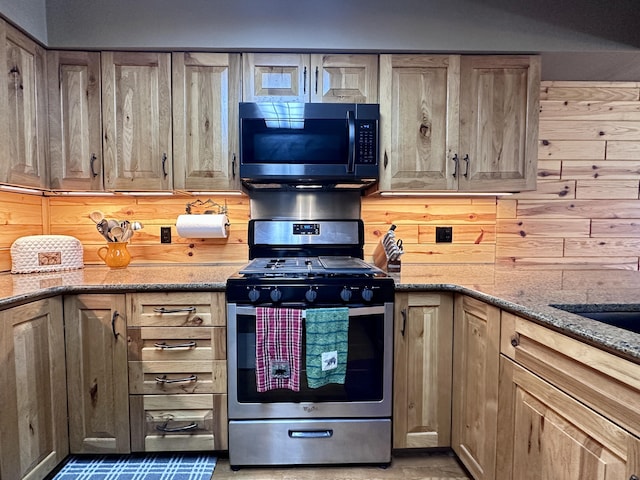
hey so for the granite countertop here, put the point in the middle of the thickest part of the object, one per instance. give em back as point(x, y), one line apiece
point(525, 292)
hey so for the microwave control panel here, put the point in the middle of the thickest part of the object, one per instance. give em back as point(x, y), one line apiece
point(366, 141)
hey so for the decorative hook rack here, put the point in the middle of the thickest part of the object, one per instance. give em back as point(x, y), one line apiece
point(222, 209)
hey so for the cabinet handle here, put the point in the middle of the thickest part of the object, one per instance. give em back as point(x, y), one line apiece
point(164, 165)
point(386, 159)
point(634, 477)
point(92, 163)
point(304, 81)
point(456, 160)
point(233, 166)
point(113, 324)
point(165, 346)
point(189, 379)
point(515, 340)
point(317, 80)
point(466, 171)
point(403, 312)
point(174, 310)
point(165, 428)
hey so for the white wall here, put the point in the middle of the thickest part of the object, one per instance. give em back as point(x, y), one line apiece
point(578, 40)
point(29, 15)
point(399, 25)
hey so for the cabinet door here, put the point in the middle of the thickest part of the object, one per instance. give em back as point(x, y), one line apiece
point(551, 435)
point(419, 121)
point(276, 77)
point(96, 340)
point(23, 109)
point(476, 353)
point(75, 123)
point(33, 437)
point(422, 370)
point(499, 108)
point(136, 115)
point(206, 93)
point(344, 78)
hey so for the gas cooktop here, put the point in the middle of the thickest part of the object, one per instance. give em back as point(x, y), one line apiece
point(308, 266)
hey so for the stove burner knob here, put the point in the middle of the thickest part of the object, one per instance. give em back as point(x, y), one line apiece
point(367, 294)
point(311, 295)
point(345, 294)
point(254, 295)
point(275, 295)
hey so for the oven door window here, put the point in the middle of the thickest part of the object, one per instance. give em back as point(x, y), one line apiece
point(364, 376)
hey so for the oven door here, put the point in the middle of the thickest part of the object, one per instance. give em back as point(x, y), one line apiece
point(366, 391)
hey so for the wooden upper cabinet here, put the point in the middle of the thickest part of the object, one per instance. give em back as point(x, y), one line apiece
point(419, 121)
point(75, 123)
point(499, 108)
point(23, 109)
point(300, 77)
point(459, 123)
point(206, 93)
point(344, 78)
point(136, 116)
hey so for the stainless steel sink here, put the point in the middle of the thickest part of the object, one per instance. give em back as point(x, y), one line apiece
point(626, 317)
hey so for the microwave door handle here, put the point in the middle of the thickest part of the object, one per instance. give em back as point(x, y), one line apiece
point(352, 141)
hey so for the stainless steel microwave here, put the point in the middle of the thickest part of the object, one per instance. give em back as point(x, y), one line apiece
point(309, 143)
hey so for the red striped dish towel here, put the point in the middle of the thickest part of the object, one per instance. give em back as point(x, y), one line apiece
point(278, 347)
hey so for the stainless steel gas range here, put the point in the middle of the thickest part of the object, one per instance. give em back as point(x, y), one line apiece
point(310, 340)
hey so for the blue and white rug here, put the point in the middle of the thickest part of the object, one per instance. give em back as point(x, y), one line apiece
point(138, 467)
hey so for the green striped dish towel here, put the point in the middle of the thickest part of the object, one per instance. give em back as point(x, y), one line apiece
point(327, 335)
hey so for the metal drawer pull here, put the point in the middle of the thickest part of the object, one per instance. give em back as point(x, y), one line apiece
point(165, 346)
point(167, 429)
point(310, 433)
point(189, 379)
point(174, 310)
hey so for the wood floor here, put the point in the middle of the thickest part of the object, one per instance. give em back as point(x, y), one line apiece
point(405, 466)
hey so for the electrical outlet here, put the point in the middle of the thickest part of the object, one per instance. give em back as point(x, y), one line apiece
point(444, 234)
point(165, 234)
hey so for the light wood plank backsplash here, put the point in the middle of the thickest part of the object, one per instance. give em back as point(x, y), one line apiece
point(585, 212)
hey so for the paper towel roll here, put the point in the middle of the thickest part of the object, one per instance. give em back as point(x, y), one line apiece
point(203, 226)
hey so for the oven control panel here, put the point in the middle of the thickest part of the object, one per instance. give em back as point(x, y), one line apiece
point(280, 293)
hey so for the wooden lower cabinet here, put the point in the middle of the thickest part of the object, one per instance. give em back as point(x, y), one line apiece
point(423, 333)
point(33, 434)
point(177, 371)
point(96, 344)
point(567, 409)
point(476, 352)
point(548, 434)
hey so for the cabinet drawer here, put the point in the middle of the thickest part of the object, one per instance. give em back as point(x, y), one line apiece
point(177, 309)
point(177, 344)
point(178, 422)
point(177, 377)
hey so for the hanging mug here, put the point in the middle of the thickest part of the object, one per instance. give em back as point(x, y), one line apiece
point(115, 254)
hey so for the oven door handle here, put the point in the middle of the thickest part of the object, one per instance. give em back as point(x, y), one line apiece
point(353, 312)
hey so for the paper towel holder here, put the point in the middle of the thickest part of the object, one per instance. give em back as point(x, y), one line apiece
point(222, 209)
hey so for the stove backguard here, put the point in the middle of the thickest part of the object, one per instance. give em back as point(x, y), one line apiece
point(298, 205)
